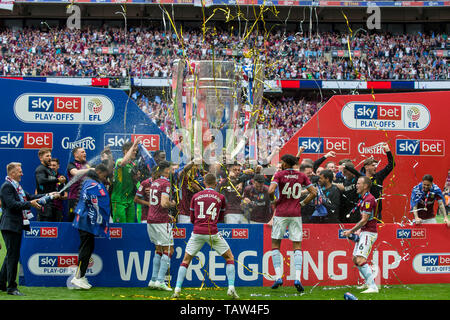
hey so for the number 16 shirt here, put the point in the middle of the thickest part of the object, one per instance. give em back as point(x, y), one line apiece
point(290, 184)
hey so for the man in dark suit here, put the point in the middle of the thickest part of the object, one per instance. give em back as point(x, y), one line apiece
point(46, 182)
point(16, 205)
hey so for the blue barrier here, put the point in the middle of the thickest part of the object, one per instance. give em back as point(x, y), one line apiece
point(50, 252)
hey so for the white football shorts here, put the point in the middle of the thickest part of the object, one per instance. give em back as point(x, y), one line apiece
point(293, 224)
point(365, 243)
point(216, 241)
point(160, 234)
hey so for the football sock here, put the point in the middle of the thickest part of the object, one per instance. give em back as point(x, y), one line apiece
point(230, 271)
point(276, 260)
point(298, 258)
point(366, 271)
point(156, 263)
point(164, 265)
point(181, 275)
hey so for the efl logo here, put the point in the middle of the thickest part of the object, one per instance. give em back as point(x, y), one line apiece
point(380, 112)
point(179, 233)
point(54, 104)
point(115, 233)
point(60, 261)
point(116, 140)
point(42, 232)
point(411, 233)
point(25, 140)
point(324, 145)
point(420, 147)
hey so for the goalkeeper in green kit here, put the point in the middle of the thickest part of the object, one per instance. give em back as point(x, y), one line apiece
point(122, 197)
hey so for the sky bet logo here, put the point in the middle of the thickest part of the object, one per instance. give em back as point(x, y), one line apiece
point(25, 140)
point(54, 104)
point(379, 112)
point(60, 261)
point(42, 232)
point(418, 233)
point(234, 233)
point(116, 140)
point(436, 260)
point(324, 145)
point(432, 263)
point(420, 147)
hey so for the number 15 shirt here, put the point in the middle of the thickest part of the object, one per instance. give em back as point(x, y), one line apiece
point(290, 184)
point(156, 213)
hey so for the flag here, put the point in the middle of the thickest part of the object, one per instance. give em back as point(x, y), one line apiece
point(248, 71)
point(417, 194)
point(320, 210)
point(148, 159)
point(93, 209)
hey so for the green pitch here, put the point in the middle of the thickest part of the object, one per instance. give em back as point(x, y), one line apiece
point(394, 292)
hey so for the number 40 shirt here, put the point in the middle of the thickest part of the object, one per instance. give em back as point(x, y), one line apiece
point(290, 184)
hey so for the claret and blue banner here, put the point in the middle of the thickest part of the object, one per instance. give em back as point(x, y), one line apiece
point(402, 254)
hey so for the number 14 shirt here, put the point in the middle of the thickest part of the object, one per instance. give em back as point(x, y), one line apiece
point(290, 184)
point(207, 209)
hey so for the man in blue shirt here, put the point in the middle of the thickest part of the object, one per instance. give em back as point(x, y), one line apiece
point(91, 219)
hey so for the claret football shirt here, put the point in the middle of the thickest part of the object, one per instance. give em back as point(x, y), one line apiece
point(156, 213)
point(207, 209)
point(290, 184)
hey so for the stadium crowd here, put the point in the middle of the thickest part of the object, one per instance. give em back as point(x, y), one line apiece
point(148, 53)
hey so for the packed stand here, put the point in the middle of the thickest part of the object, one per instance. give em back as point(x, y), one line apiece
point(149, 53)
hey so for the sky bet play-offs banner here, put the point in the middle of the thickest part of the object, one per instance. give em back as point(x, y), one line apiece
point(402, 256)
point(62, 117)
point(414, 124)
